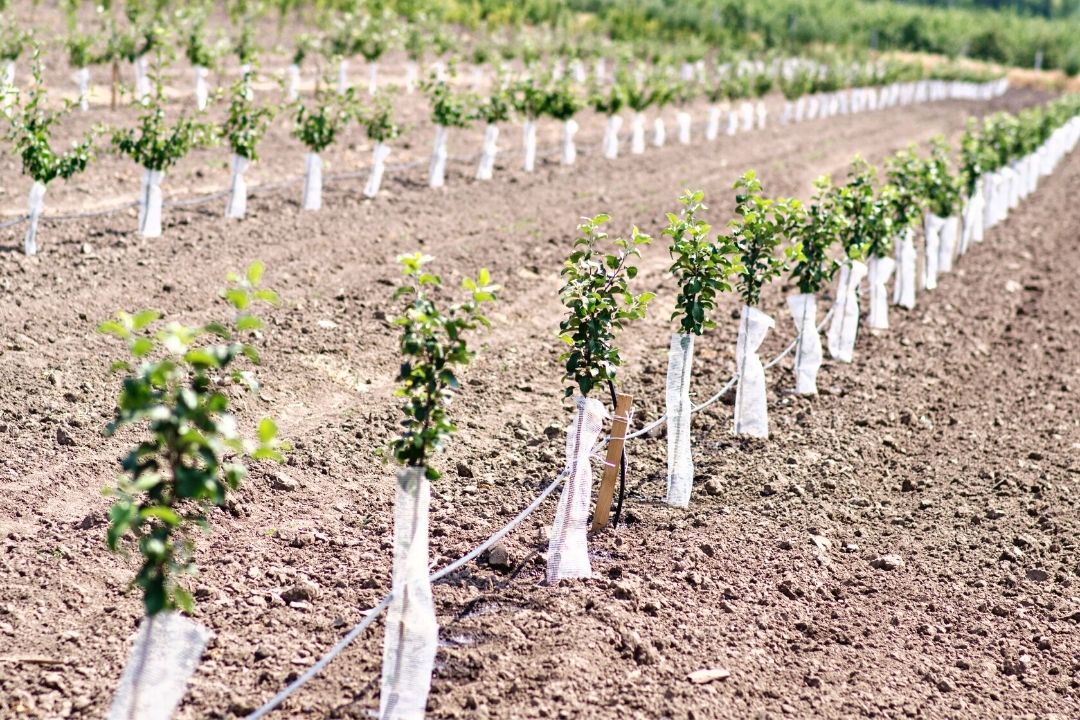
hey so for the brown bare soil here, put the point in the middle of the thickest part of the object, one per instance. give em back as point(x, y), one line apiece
point(952, 442)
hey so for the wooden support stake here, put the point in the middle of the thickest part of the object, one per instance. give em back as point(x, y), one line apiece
point(611, 463)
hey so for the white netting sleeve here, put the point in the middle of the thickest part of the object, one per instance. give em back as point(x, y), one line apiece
point(879, 270)
point(237, 206)
point(569, 149)
point(35, 204)
point(142, 80)
point(973, 220)
point(611, 137)
point(488, 151)
point(680, 463)
point(568, 549)
point(437, 170)
point(932, 231)
point(412, 632)
point(712, 124)
point(732, 122)
point(373, 77)
point(82, 84)
point(947, 249)
point(342, 76)
point(528, 136)
point(150, 203)
point(167, 649)
point(637, 134)
point(202, 93)
point(845, 320)
point(808, 354)
point(378, 169)
point(659, 132)
point(751, 406)
point(907, 258)
point(685, 125)
point(292, 83)
point(762, 114)
point(746, 110)
point(312, 181)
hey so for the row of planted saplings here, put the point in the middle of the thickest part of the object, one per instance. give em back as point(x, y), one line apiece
point(151, 31)
point(157, 145)
point(174, 380)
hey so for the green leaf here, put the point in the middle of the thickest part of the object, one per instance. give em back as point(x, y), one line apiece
point(144, 318)
point(255, 273)
point(268, 430)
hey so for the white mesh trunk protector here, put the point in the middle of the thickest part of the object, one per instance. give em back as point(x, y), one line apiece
point(947, 250)
point(82, 83)
point(202, 94)
point(762, 115)
point(437, 171)
point(751, 408)
point(732, 122)
point(528, 136)
point(932, 230)
point(637, 134)
point(906, 261)
point(568, 549)
point(237, 206)
point(712, 125)
point(659, 132)
point(150, 204)
point(747, 112)
point(973, 220)
point(879, 270)
point(342, 76)
point(142, 80)
point(412, 633)
point(569, 149)
point(488, 151)
point(989, 183)
point(800, 109)
point(683, 120)
point(378, 169)
point(845, 320)
point(807, 342)
point(293, 83)
point(611, 137)
point(373, 77)
point(35, 204)
point(167, 649)
point(680, 464)
point(312, 181)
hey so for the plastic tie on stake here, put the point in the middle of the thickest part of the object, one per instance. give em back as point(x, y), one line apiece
point(879, 270)
point(844, 327)
point(568, 549)
point(808, 351)
point(907, 258)
point(680, 462)
point(167, 649)
point(412, 632)
point(751, 405)
point(615, 444)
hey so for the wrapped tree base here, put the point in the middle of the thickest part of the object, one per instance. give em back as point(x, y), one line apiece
point(167, 650)
point(680, 463)
point(808, 353)
point(751, 405)
point(412, 632)
point(568, 549)
point(844, 326)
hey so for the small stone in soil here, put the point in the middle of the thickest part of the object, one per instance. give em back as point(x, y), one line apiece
point(281, 481)
point(498, 557)
point(464, 470)
point(713, 487)
point(1037, 575)
point(63, 438)
point(886, 562)
point(701, 677)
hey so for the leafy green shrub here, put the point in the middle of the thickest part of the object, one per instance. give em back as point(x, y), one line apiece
point(193, 454)
point(449, 108)
point(377, 117)
point(155, 145)
point(760, 228)
point(597, 294)
point(433, 343)
point(702, 267)
point(317, 126)
point(818, 229)
point(941, 186)
point(247, 123)
point(907, 177)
